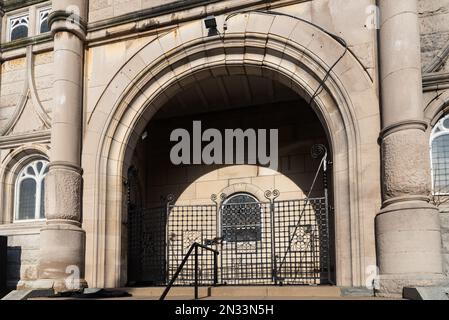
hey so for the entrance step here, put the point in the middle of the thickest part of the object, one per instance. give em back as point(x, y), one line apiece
point(227, 292)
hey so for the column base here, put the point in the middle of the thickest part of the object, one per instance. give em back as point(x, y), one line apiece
point(408, 239)
point(57, 285)
point(392, 286)
point(61, 264)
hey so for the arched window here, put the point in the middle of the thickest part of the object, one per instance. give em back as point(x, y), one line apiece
point(241, 218)
point(43, 20)
point(30, 191)
point(18, 27)
point(439, 150)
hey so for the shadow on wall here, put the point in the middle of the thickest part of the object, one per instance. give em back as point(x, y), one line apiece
point(299, 129)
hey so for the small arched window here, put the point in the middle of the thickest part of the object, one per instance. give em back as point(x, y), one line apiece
point(19, 27)
point(439, 151)
point(30, 191)
point(43, 20)
point(241, 218)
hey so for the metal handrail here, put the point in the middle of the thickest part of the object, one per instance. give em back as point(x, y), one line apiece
point(195, 247)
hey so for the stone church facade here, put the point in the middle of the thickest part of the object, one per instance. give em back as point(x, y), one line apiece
point(90, 91)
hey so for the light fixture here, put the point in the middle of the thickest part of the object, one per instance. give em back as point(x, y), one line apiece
point(211, 23)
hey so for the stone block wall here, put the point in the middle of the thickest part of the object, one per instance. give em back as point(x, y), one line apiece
point(434, 16)
point(26, 93)
point(22, 254)
point(13, 77)
point(106, 9)
point(444, 218)
point(43, 77)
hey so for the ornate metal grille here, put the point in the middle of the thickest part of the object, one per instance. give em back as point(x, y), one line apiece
point(147, 246)
point(241, 219)
point(260, 243)
point(186, 225)
point(245, 251)
point(302, 241)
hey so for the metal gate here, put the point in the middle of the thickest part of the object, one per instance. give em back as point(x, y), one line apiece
point(271, 242)
point(260, 242)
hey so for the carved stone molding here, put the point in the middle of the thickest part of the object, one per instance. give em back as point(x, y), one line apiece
point(15, 141)
point(64, 21)
point(404, 125)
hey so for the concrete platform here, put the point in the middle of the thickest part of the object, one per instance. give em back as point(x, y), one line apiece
point(239, 293)
point(247, 293)
point(229, 292)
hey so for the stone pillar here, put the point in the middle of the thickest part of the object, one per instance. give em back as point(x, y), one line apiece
point(62, 247)
point(407, 227)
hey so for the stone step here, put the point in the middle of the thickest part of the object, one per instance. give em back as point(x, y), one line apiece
point(240, 291)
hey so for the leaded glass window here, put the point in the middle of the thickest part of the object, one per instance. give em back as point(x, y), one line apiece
point(30, 191)
point(241, 218)
point(440, 157)
point(18, 27)
point(43, 20)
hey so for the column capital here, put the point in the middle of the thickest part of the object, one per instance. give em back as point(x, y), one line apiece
point(66, 21)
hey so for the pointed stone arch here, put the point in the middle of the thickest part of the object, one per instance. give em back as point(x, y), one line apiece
point(437, 108)
point(281, 48)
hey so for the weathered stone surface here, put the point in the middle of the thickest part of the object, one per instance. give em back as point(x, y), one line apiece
point(406, 164)
point(393, 285)
point(426, 293)
point(66, 184)
point(356, 292)
point(444, 218)
point(434, 30)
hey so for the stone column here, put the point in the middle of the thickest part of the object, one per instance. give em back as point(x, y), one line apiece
point(62, 247)
point(407, 227)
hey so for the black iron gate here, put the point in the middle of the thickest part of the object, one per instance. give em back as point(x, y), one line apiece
point(260, 242)
point(271, 242)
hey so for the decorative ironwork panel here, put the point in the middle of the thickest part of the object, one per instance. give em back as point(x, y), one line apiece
point(260, 243)
point(188, 224)
point(246, 249)
point(302, 241)
point(134, 246)
point(147, 246)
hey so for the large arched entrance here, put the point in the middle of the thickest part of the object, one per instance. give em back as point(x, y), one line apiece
point(228, 205)
point(282, 49)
